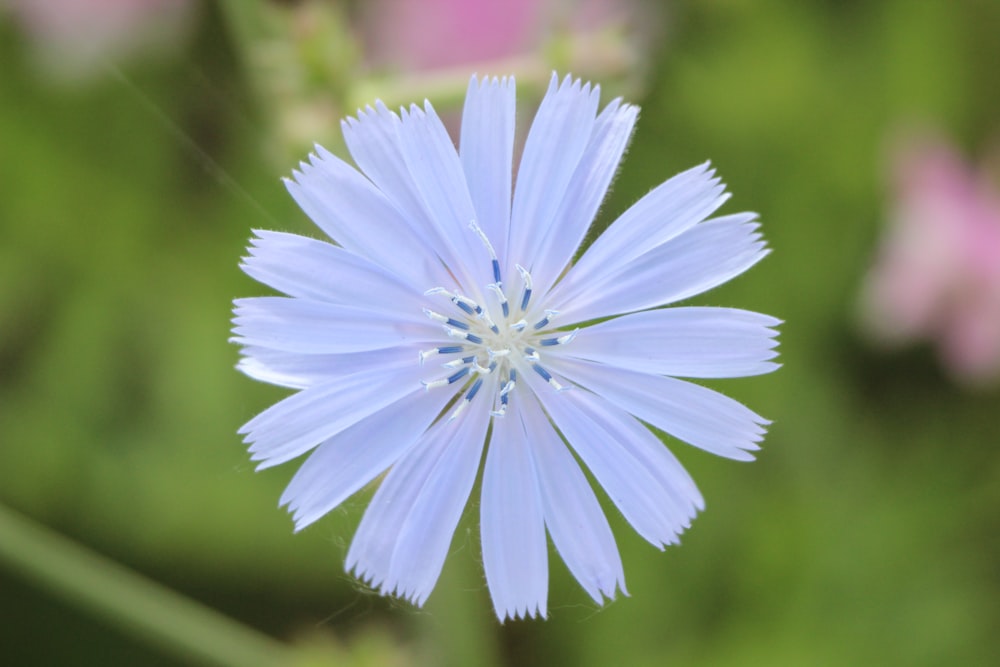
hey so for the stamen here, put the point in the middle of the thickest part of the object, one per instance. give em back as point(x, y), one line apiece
point(526, 293)
point(471, 394)
point(501, 297)
point(561, 340)
point(474, 390)
point(484, 370)
point(548, 378)
point(519, 325)
point(455, 377)
point(549, 314)
point(530, 354)
point(464, 335)
point(458, 363)
point(485, 317)
point(443, 382)
point(433, 352)
point(489, 247)
point(438, 317)
point(466, 304)
point(504, 398)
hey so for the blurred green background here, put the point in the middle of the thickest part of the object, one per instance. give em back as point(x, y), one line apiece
point(866, 533)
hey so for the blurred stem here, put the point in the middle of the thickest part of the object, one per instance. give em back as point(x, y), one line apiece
point(133, 603)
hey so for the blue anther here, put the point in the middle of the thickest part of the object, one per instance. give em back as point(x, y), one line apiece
point(449, 349)
point(513, 375)
point(525, 299)
point(468, 360)
point(464, 306)
point(542, 322)
point(458, 375)
point(474, 339)
point(548, 342)
point(495, 329)
point(528, 351)
point(506, 309)
point(475, 388)
point(457, 324)
point(541, 371)
point(496, 270)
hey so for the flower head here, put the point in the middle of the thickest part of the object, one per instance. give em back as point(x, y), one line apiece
point(448, 320)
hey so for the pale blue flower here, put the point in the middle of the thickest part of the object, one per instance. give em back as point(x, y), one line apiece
point(447, 319)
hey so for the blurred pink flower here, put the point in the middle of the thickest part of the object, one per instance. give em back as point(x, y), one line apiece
point(419, 35)
point(937, 276)
point(443, 33)
point(72, 37)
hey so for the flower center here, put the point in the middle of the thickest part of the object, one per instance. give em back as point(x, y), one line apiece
point(494, 342)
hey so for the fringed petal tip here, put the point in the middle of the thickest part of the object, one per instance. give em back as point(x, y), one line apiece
point(522, 613)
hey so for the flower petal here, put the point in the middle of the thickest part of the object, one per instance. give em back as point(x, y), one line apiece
point(574, 518)
point(376, 140)
point(486, 150)
point(657, 501)
point(298, 423)
point(298, 371)
point(556, 141)
point(355, 214)
point(345, 463)
point(683, 342)
point(439, 179)
point(584, 194)
point(703, 257)
point(689, 412)
point(310, 269)
point(305, 326)
point(404, 536)
point(668, 210)
point(515, 553)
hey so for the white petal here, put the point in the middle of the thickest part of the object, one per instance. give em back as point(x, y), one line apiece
point(376, 142)
point(685, 342)
point(486, 149)
point(359, 217)
point(370, 554)
point(298, 423)
point(305, 326)
point(605, 439)
point(513, 530)
point(557, 139)
point(579, 529)
point(668, 210)
point(343, 464)
point(689, 412)
point(438, 177)
point(311, 269)
point(584, 194)
point(404, 536)
point(298, 371)
point(703, 257)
